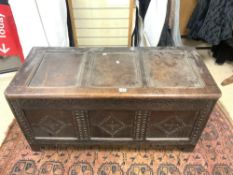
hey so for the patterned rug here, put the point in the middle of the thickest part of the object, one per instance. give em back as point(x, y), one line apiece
point(213, 155)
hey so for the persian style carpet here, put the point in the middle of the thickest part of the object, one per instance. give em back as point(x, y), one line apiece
point(213, 155)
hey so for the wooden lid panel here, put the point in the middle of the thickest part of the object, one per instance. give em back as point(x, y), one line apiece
point(114, 69)
point(113, 73)
point(58, 70)
point(171, 69)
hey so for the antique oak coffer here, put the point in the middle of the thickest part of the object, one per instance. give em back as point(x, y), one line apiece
point(99, 96)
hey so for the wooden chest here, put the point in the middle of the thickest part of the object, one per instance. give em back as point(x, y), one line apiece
point(100, 96)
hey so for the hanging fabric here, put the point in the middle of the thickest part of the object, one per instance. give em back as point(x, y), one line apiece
point(212, 21)
point(150, 18)
point(171, 31)
point(137, 38)
point(143, 4)
point(134, 37)
point(154, 21)
point(157, 23)
point(174, 22)
point(166, 37)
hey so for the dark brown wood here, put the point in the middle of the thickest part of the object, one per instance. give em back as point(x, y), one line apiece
point(113, 96)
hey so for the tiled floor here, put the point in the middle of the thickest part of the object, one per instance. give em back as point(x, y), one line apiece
point(219, 72)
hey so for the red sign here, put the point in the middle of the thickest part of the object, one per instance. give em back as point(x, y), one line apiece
point(9, 40)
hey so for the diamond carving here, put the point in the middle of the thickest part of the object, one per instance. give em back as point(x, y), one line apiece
point(171, 125)
point(51, 125)
point(111, 125)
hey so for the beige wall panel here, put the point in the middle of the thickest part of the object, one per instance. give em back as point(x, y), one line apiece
point(102, 41)
point(101, 13)
point(100, 3)
point(101, 22)
point(102, 32)
point(116, 23)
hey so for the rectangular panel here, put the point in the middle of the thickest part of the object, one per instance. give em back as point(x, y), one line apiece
point(47, 74)
point(114, 70)
point(101, 45)
point(102, 33)
point(51, 123)
point(170, 124)
point(171, 69)
point(111, 124)
point(100, 13)
point(110, 23)
point(102, 41)
point(100, 3)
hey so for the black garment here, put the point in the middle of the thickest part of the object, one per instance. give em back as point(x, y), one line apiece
point(4, 2)
point(212, 21)
point(143, 6)
point(166, 36)
point(69, 26)
point(223, 51)
point(197, 19)
point(135, 34)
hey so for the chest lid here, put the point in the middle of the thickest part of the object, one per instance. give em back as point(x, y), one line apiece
point(113, 73)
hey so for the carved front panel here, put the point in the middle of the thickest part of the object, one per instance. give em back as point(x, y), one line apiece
point(51, 123)
point(73, 125)
point(171, 124)
point(111, 124)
